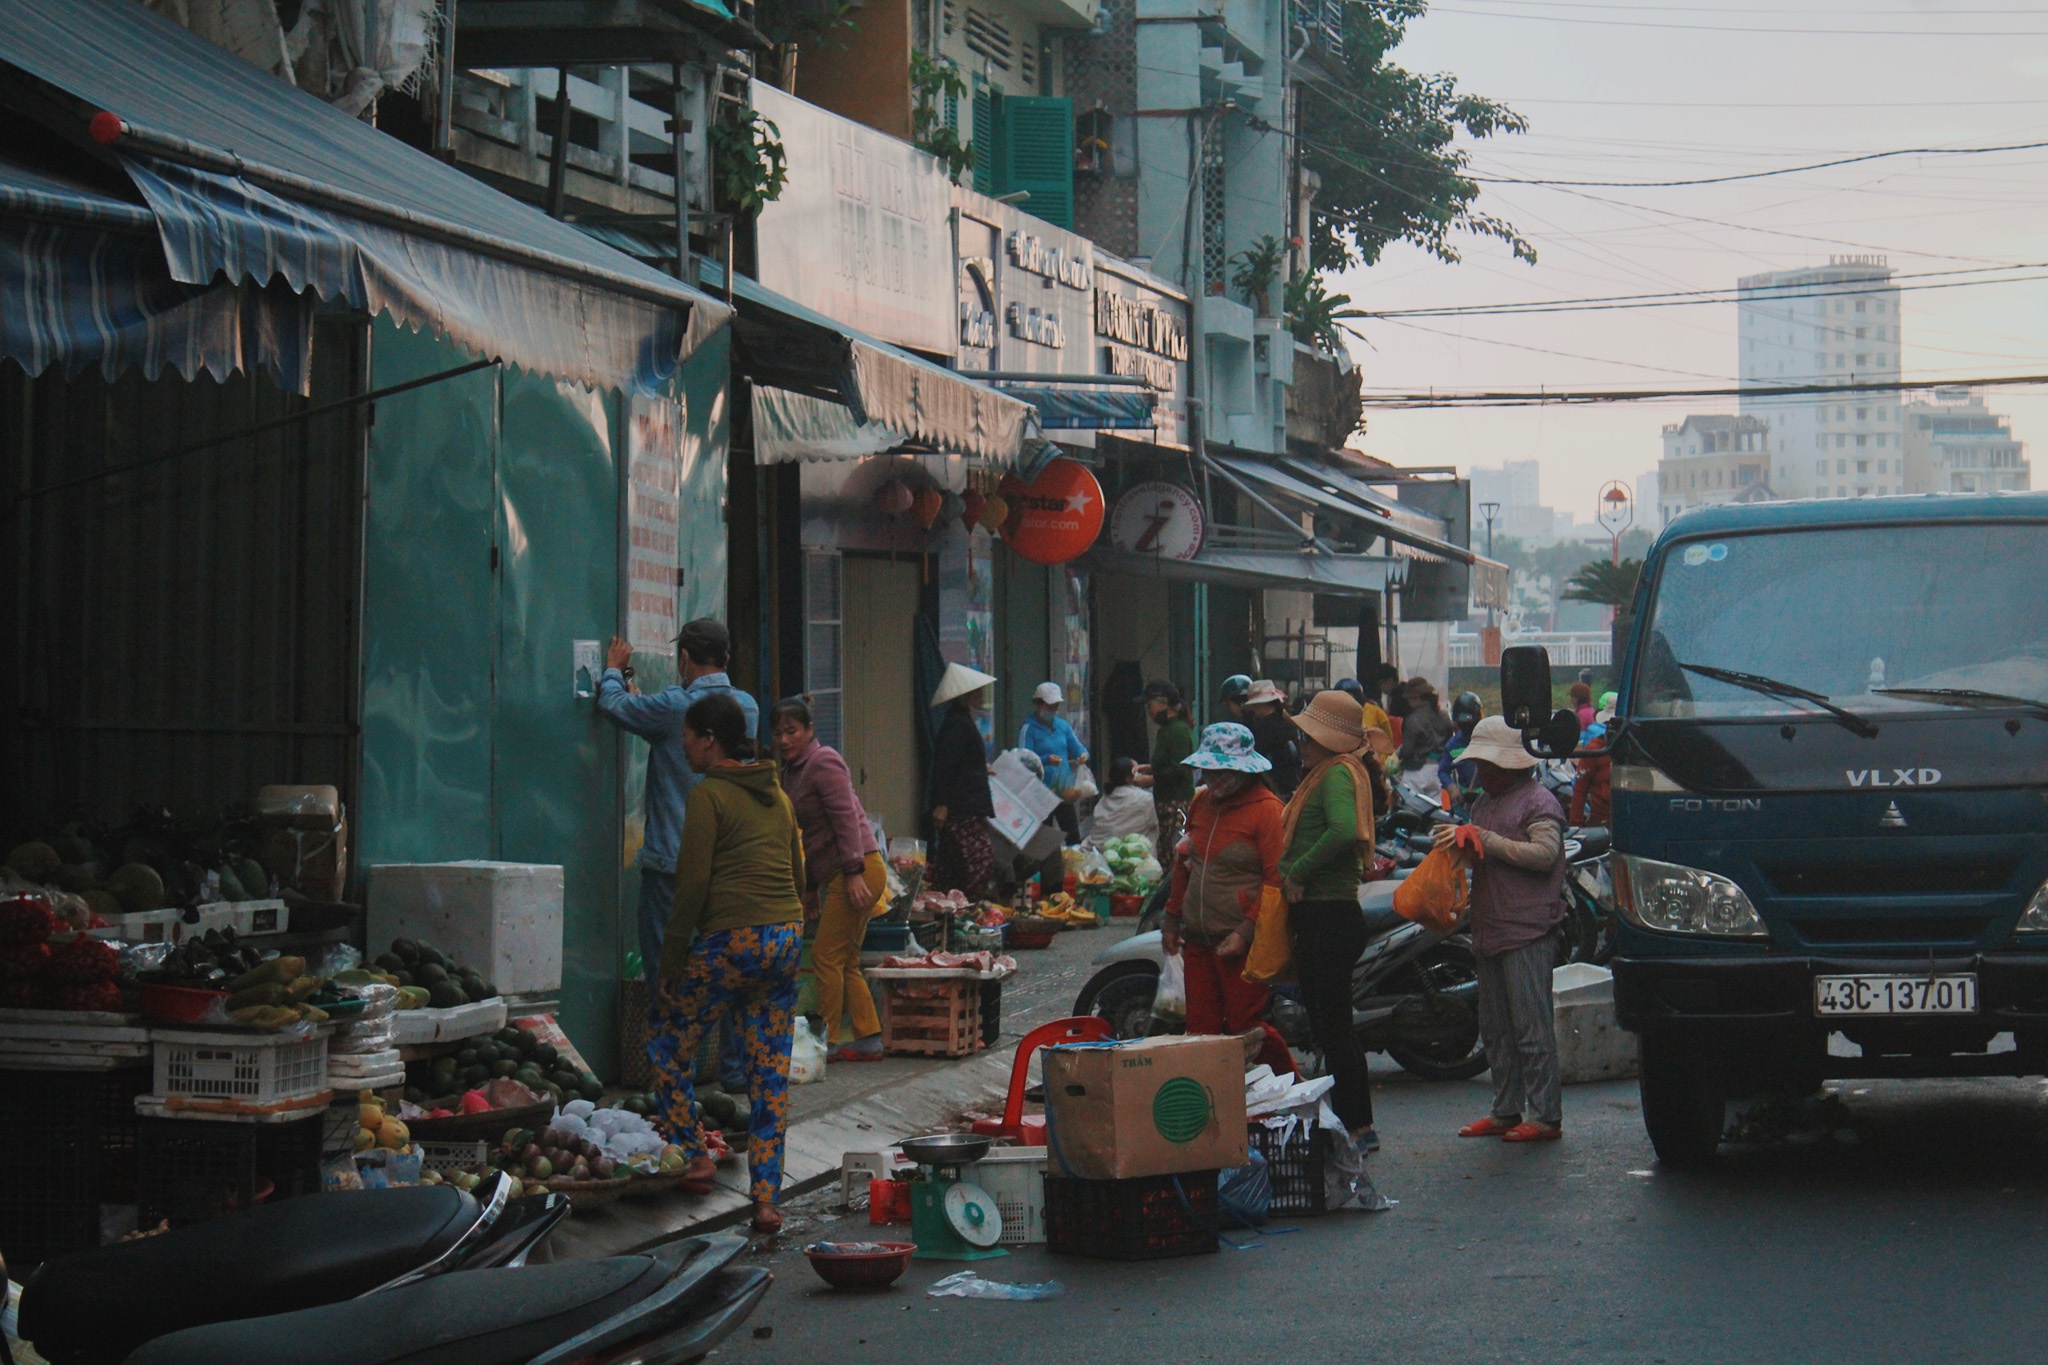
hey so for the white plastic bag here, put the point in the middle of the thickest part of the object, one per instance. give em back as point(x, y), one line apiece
point(1084, 783)
point(1170, 1001)
point(806, 1055)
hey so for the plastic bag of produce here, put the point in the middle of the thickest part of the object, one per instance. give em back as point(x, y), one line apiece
point(806, 1056)
point(1170, 1001)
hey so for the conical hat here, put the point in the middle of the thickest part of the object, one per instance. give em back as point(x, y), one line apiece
point(958, 681)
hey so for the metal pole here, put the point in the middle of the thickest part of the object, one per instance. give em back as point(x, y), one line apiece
point(677, 127)
point(1489, 510)
point(558, 155)
point(444, 98)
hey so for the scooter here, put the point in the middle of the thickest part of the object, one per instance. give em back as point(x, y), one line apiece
point(228, 1283)
point(1414, 994)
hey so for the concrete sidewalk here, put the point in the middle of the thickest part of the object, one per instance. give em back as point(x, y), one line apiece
point(859, 1107)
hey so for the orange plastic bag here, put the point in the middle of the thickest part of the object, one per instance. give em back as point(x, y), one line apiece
point(1271, 960)
point(1436, 893)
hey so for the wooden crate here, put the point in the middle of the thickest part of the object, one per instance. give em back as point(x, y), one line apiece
point(931, 1018)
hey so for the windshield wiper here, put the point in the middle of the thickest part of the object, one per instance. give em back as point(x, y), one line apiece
point(1771, 687)
point(1965, 696)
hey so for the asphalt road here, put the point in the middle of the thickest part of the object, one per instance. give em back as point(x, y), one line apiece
point(1919, 1240)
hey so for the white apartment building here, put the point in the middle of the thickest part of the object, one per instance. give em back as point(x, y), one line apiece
point(1826, 325)
point(1954, 444)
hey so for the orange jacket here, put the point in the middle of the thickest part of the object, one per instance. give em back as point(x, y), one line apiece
point(1226, 889)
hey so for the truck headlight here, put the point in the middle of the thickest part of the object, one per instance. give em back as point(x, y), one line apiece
point(1685, 900)
point(2034, 919)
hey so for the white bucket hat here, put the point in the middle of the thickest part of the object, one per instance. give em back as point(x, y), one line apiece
point(1265, 690)
point(1495, 741)
point(958, 681)
point(1050, 694)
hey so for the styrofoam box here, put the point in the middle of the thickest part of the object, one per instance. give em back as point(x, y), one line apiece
point(504, 919)
point(410, 1028)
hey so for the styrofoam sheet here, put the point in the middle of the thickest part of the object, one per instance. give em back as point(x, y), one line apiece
point(412, 1027)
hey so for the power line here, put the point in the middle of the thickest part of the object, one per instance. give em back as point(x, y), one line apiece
point(1764, 175)
point(1521, 398)
point(1750, 30)
point(1686, 297)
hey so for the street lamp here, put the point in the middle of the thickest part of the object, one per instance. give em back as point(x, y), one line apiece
point(1615, 510)
point(1489, 510)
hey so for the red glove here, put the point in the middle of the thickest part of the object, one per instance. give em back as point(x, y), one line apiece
point(1468, 838)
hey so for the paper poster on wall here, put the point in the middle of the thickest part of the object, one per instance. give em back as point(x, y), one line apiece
point(653, 516)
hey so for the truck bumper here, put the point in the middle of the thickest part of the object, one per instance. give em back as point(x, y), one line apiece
point(1743, 993)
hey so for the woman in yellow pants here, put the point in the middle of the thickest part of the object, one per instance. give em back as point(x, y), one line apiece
point(845, 870)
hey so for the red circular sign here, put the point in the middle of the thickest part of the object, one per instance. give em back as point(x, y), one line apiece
point(1056, 516)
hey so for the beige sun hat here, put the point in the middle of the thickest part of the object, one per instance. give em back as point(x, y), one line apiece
point(958, 681)
point(1498, 743)
point(1334, 720)
point(1264, 690)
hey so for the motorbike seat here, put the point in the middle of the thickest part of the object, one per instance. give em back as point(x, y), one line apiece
point(1594, 840)
point(479, 1317)
point(1381, 919)
point(280, 1257)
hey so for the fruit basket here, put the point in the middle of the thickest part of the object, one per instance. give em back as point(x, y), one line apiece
point(585, 1195)
point(491, 1123)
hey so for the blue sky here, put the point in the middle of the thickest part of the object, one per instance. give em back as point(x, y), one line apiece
point(1656, 91)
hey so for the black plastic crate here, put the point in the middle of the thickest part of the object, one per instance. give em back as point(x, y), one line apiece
point(190, 1170)
point(1295, 1168)
point(991, 1012)
point(70, 1140)
point(1143, 1219)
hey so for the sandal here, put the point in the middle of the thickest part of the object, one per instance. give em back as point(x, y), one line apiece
point(1533, 1132)
point(767, 1219)
point(1489, 1127)
point(697, 1176)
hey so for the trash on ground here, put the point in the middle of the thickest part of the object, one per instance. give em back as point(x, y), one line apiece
point(967, 1285)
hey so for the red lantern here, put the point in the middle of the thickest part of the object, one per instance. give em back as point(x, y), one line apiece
point(1055, 517)
point(971, 506)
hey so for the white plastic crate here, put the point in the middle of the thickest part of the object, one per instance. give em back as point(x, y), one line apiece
point(244, 917)
point(244, 1069)
point(1015, 1178)
point(448, 1156)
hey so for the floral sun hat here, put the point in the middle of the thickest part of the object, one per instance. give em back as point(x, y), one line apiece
point(1227, 746)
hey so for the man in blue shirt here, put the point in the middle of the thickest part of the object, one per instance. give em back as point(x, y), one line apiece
point(702, 651)
point(1046, 733)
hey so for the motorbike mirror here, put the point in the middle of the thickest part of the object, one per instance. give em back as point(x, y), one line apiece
point(1525, 696)
point(1557, 737)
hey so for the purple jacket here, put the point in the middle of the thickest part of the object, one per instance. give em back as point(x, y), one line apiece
point(1514, 906)
point(837, 836)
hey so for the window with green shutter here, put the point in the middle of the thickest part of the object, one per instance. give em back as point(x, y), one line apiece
point(985, 101)
point(1036, 153)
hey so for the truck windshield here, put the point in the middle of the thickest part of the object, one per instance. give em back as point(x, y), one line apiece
point(1882, 620)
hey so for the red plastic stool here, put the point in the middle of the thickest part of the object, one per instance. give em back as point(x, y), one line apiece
point(1030, 1132)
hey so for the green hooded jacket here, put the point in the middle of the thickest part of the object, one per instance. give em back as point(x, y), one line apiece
point(740, 863)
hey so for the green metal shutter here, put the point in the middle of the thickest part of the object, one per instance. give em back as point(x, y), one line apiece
point(1037, 154)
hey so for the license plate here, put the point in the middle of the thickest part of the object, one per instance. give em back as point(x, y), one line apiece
point(1895, 994)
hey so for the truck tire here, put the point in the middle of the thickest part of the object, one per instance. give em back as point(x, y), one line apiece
point(1684, 1100)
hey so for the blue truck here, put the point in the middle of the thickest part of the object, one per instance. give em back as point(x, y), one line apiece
point(1830, 799)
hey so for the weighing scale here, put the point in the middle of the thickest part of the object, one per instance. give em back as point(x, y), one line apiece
point(951, 1218)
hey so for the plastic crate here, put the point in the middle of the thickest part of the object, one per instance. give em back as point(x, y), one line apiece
point(926, 1018)
point(254, 1070)
point(1294, 1166)
point(1015, 1178)
point(70, 1139)
point(190, 1170)
point(1144, 1219)
point(449, 1156)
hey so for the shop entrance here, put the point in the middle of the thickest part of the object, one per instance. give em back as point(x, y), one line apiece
point(880, 727)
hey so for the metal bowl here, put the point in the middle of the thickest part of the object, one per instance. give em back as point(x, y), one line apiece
point(946, 1149)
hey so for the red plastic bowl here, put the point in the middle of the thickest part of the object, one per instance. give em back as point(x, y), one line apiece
point(875, 1269)
point(174, 1004)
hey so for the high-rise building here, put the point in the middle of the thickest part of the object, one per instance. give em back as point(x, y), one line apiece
point(1954, 444)
point(1836, 324)
point(1516, 487)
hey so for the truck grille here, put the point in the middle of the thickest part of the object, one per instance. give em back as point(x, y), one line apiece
point(1880, 879)
point(1915, 929)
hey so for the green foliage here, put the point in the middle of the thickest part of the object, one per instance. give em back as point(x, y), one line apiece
point(1384, 142)
point(747, 161)
point(1605, 583)
point(930, 84)
point(1315, 315)
point(806, 23)
point(1258, 266)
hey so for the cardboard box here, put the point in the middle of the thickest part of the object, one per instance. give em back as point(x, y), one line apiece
point(1158, 1106)
point(305, 840)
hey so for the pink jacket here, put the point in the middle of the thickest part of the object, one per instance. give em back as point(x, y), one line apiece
point(837, 835)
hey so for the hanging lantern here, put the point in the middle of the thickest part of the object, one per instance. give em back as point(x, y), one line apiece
point(995, 510)
point(925, 506)
point(893, 498)
point(971, 506)
point(951, 509)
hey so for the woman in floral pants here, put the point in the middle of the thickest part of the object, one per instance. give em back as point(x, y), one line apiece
point(734, 940)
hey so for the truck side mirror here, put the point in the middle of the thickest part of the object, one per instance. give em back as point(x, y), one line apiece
point(1525, 697)
point(1557, 737)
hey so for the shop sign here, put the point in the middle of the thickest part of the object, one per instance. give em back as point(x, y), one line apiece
point(1163, 520)
point(1155, 371)
point(1036, 326)
point(1140, 323)
point(978, 303)
point(1033, 255)
point(654, 455)
point(862, 231)
point(1056, 516)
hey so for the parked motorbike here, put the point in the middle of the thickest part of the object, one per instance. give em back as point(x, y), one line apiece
point(1591, 926)
point(291, 1279)
point(1414, 994)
